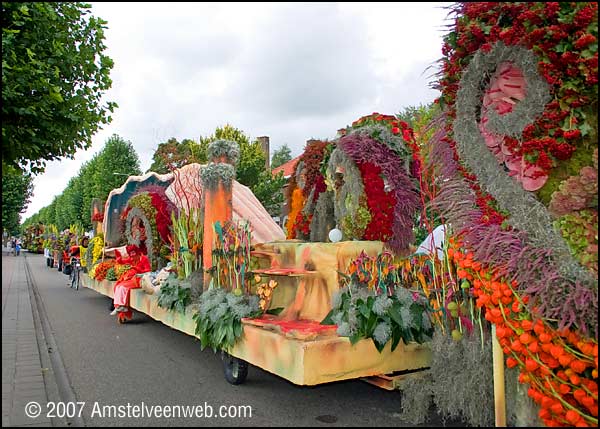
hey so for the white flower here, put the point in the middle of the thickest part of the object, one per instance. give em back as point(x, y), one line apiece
point(343, 330)
point(381, 305)
point(425, 320)
point(382, 333)
point(404, 296)
point(407, 320)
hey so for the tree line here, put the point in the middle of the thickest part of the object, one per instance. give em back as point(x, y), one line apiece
point(108, 168)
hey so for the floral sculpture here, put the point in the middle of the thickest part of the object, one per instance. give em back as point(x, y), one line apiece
point(517, 179)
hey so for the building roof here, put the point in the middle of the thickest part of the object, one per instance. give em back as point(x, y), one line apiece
point(287, 168)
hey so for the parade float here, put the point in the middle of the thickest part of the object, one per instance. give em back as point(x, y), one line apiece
point(512, 167)
point(503, 187)
point(227, 276)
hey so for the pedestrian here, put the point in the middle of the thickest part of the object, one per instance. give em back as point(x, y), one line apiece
point(18, 248)
point(47, 256)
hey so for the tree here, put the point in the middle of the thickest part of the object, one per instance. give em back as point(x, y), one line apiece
point(172, 155)
point(252, 157)
point(54, 73)
point(117, 160)
point(269, 191)
point(281, 156)
point(87, 173)
point(17, 190)
point(96, 178)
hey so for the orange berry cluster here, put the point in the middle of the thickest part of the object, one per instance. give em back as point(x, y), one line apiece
point(560, 366)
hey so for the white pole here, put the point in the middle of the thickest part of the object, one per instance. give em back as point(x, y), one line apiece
point(499, 398)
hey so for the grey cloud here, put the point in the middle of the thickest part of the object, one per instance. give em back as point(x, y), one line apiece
point(312, 60)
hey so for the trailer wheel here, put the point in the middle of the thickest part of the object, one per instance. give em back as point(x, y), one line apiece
point(236, 370)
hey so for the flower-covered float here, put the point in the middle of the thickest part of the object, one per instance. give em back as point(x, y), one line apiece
point(514, 167)
point(237, 285)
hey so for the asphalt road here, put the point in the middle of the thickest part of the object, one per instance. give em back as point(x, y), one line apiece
point(147, 363)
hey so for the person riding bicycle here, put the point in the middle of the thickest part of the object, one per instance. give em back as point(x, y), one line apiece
point(71, 256)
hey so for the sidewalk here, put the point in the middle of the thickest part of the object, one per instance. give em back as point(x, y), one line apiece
point(22, 375)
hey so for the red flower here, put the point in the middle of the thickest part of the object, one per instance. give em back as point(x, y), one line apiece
point(572, 134)
point(585, 40)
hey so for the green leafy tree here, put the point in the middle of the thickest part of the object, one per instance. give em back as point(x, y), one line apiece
point(269, 191)
point(117, 160)
point(87, 173)
point(54, 73)
point(17, 190)
point(173, 154)
point(418, 116)
point(252, 157)
point(95, 179)
point(281, 156)
point(73, 195)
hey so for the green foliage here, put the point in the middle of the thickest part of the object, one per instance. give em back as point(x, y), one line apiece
point(54, 73)
point(117, 156)
point(250, 170)
point(17, 190)
point(252, 157)
point(188, 229)
point(360, 313)
point(175, 295)
point(269, 191)
point(219, 317)
point(418, 116)
point(580, 231)
point(281, 156)
point(95, 179)
point(173, 154)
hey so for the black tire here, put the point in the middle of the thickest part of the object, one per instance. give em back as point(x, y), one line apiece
point(72, 279)
point(77, 279)
point(235, 370)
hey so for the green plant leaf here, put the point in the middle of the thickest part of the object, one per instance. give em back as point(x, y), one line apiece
point(328, 319)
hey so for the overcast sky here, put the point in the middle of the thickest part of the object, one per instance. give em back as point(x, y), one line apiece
point(290, 71)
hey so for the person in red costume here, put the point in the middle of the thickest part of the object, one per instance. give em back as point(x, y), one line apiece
point(140, 264)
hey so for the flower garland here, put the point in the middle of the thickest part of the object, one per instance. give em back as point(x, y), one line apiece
point(561, 366)
point(552, 139)
point(100, 270)
point(350, 207)
point(381, 203)
point(154, 209)
point(297, 202)
point(563, 39)
point(310, 177)
point(392, 193)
